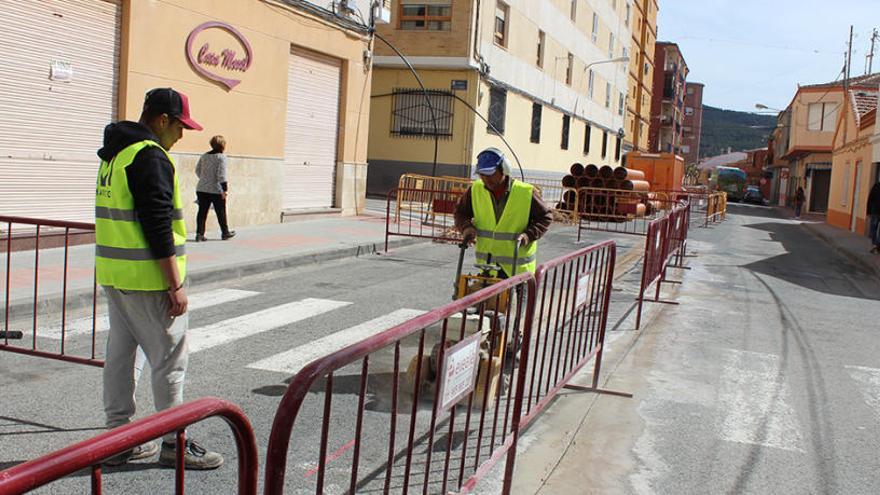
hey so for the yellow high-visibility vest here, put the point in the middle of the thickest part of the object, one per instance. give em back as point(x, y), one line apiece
point(498, 239)
point(122, 256)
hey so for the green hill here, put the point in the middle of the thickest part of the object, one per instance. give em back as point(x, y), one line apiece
point(739, 131)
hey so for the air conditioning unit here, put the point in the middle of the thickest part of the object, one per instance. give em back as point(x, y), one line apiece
point(382, 12)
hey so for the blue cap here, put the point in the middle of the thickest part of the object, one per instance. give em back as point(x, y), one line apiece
point(488, 161)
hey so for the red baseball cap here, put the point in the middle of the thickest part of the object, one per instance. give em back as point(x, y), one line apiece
point(172, 102)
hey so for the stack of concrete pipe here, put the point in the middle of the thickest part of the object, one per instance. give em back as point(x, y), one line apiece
point(604, 192)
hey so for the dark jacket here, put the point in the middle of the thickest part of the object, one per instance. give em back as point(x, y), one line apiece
point(874, 200)
point(540, 216)
point(150, 180)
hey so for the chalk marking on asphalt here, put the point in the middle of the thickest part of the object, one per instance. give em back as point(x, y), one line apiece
point(251, 324)
point(332, 457)
point(755, 403)
point(295, 359)
point(869, 380)
point(201, 300)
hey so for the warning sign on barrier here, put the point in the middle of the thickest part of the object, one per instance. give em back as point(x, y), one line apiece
point(583, 290)
point(459, 372)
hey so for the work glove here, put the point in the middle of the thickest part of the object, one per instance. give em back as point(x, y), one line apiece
point(470, 235)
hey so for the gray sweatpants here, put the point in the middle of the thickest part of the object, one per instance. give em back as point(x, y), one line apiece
point(140, 319)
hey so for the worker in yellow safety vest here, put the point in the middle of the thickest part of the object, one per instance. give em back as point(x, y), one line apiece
point(140, 261)
point(498, 212)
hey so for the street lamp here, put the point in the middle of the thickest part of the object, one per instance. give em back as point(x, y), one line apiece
point(761, 106)
point(609, 61)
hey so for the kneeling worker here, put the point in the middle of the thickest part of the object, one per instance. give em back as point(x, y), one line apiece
point(498, 212)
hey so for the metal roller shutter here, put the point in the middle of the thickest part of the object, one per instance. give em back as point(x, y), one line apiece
point(311, 130)
point(50, 129)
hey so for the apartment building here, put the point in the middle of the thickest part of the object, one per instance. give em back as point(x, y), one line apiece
point(812, 120)
point(667, 103)
point(642, 19)
point(548, 78)
point(692, 126)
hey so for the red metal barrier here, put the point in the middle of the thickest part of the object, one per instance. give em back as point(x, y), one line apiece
point(388, 452)
point(421, 213)
point(571, 314)
point(90, 453)
point(655, 261)
point(35, 228)
point(679, 220)
point(619, 211)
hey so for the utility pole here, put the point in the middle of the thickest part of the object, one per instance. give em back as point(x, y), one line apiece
point(846, 78)
point(870, 57)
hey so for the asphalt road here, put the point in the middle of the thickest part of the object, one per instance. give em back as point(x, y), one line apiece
point(765, 379)
point(266, 325)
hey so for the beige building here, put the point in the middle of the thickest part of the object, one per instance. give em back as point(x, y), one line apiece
point(539, 72)
point(804, 159)
point(286, 83)
point(642, 18)
point(852, 170)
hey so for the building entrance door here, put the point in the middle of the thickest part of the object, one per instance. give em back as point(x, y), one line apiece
point(857, 190)
point(312, 130)
point(820, 186)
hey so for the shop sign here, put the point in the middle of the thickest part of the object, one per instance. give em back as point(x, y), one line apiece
point(219, 62)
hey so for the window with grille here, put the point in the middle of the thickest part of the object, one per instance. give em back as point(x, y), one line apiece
point(429, 17)
point(497, 109)
point(537, 110)
point(566, 123)
point(410, 115)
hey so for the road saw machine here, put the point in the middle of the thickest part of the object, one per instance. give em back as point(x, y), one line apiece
point(498, 341)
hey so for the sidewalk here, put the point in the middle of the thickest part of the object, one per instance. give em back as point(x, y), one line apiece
point(254, 249)
point(855, 247)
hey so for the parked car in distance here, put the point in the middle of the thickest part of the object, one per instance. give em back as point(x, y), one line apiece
point(753, 195)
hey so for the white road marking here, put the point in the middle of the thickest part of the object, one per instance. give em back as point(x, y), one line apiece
point(200, 300)
point(247, 325)
point(294, 360)
point(755, 402)
point(869, 379)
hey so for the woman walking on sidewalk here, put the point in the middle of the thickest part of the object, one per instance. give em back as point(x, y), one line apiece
point(212, 189)
point(799, 199)
point(874, 215)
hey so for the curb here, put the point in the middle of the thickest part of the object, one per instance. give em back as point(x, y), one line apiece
point(855, 258)
point(82, 298)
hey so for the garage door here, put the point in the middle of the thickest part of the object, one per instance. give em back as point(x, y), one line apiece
point(312, 130)
point(58, 86)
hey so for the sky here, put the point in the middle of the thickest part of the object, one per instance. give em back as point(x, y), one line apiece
point(758, 51)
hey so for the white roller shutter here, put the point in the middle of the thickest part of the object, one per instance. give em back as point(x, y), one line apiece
point(51, 129)
point(311, 130)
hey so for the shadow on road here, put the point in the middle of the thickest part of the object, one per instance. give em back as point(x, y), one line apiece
point(810, 264)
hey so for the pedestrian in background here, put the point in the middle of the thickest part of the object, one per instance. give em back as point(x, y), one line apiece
point(212, 189)
point(799, 198)
point(140, 261)
point(874, 216)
